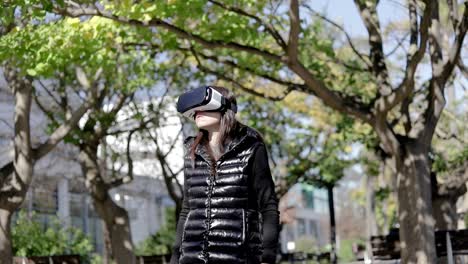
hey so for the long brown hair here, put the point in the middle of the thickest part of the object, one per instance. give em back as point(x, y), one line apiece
point(228, 125)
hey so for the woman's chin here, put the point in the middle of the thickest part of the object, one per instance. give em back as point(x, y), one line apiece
point(201, 126)
point(208, 127)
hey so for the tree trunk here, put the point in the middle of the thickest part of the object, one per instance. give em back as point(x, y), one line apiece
point(331, 207)
point(6, 171)
point(6, 254)
point(116, 220)
point(117, 229)
point(15, 186)
point(445, 212)
point(415, 205)
point(370, 213)
point(444, 198)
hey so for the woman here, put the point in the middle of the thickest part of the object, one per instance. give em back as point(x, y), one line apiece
point(230, 210)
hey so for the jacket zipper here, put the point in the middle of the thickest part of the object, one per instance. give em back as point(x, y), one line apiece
point(243, 226)
point(184, 231)
point(211, 184)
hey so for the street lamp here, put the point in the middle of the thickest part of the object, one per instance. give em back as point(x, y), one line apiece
point(291, 246)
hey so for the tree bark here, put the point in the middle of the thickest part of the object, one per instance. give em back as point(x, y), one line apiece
point(16, 176)
point(14, 186)
point(445, 212)
point(6, 171)
point(370, 213)
point(6, 254)
point(116, 220)
point(444, 199)
point(331, 207)
point(415, 205)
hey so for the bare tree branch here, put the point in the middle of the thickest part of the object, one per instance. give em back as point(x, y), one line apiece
point(368, 12)
point(463, 68)
point(294, 30)
point(413, 19)
point(315, 86)
point(47, 112)
point(435, 97)
point(169, 178)
point(407, 124)
point(386, 103)
point(442, 70)
point(238, 84)
point(7, 124)
point(455, 50)
point(331, 98)
point(232, 63)
point(453, 13)
point(456, 185)
point(87, 11)
point(242, 87)
point(268, 26)
point(62, 130)
point(41, 150)
point(50, 93)
point(6, 171)
point(67, 125)
point(129, 158)
point(129, 177)
point(23, 160)
point(389, 141)
point(121, 100)
point(168, 175)
point(397, 46)
point(173, 143)
point(447, 135)
point(361, 56)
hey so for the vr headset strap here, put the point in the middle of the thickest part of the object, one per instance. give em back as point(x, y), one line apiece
point(228, 105)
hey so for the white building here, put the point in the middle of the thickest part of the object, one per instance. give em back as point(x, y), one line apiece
point(305, 218)
point(58, 186)
point(63, 194)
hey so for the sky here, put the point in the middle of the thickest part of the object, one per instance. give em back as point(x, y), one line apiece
point(388, 10)
point(345, 10)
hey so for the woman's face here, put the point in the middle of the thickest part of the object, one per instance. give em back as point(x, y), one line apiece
point(208, 120)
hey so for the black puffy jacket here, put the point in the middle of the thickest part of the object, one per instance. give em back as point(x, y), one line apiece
point(220, 222)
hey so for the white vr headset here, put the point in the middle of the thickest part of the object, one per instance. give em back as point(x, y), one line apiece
point(204, 99)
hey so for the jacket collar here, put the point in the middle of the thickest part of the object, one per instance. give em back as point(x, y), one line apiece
point(243, 134)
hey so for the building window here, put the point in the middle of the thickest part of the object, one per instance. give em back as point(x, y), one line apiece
point(76, 204)
point(308, 197)
point(313, 230)
point(289, 233)
point(301, 227)
point(44, 201)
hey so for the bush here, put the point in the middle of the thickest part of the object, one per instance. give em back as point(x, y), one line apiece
point(346, 253)
point(161, 242)
point(31, 239)
point(306, 244)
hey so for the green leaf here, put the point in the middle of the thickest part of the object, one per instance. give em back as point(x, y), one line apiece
point(31, 72)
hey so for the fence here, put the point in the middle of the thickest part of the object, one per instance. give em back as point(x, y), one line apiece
point(66, 259)
point(298, 257)
point(388, 247)
point(76, 259)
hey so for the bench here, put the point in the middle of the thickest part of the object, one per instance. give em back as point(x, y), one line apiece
point(388, 247)
point(154, 259)
point(303, 256)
